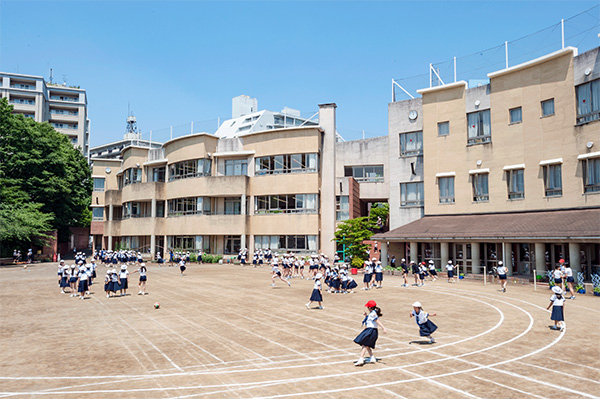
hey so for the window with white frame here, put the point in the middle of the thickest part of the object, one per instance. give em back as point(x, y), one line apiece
point(236, 167)
point(189, 206)
point(446, 187)
point(516, 115)
point(411, 144)
point(190, 168)
point(295, 243)
point(588, 101)
point(553, 180)
point(342, 207)
point(233, 205)
point(289, 163)
point(411, 194)
point(286, 203)
point(515, 182)
point(97, 214)
point(480, 187)
point(132, 176)
point(365, 174)
point(443, 128)
point(548, 107)
point(98, 183)
point(591, 175)
point(479, 129)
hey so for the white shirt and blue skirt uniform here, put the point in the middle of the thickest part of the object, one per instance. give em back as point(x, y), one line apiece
point(450, 270)
point(378, 272)
point(182, 265)
point(73, 274)
point(143, 276)
point(368, 273)
point(502, 270)
point(64, 280)
point(123, 277)
point(114, 286)
point(351, 283)
point(316, 292)
point(569, 274)
point(557, 275)
point(368, 336)
point(558, 313)
point(83, 281)
point(426, 326)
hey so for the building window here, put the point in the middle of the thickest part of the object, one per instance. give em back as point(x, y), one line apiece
point(479, 129)
point(365, 174)
point(411, 144)
point(189, 206)
point(411, 194)
point(26, 101)
point(591, 175)
point(236, 167)
point(97, 214)
point(190, 168)
point(446, 185)
point(98, 183)
point(290, 163)
point(516, 187)
point(553, 180)
point(286, 203)
point(443, 129)
point(516, 115)
point(342, 208)
point(233, 244)
point(160, 209)
point(588, 101)
point(132, 176)
point(548, 107)
point(233, 206)
point(296, 243)
point(188, 243)
point(158, 174)
point(480, 187)
point(136, 210)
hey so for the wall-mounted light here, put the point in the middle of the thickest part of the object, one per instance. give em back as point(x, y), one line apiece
point(587, 71)
point(479, 162)
point(589, 144)
point(477, 103)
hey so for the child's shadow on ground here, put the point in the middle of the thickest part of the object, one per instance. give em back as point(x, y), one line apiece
point(421, 342)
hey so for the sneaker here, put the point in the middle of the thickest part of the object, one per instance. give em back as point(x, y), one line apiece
point(273, 285)
point(573, 297)
point(371, 359)
point(554, 328)
point(62, 292)
point(359, 362)
point(108, 296)
point(320, 307)
point(307, 305)
point(80, 297)
point(289, 284)
point(432, 340)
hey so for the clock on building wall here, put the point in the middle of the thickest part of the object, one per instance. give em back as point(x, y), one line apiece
point(412, 115)
point(107, 170)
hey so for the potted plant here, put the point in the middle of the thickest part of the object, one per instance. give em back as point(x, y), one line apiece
point(597, 291)
point(580, 289)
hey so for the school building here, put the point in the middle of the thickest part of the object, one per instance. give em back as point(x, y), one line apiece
point(508, 170)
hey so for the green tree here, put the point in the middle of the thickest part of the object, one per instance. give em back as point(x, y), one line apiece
point(39, 166)
point(352, 233)
point(381, 210)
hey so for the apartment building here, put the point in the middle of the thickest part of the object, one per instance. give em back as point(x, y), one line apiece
point(271, 188)
point(508, 170)
point(65, 108)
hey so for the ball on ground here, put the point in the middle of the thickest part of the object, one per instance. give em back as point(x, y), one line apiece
point(156, 305)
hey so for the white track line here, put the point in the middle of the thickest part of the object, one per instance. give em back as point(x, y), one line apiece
point(509, 387)
point(575, 364)
point(561, 372)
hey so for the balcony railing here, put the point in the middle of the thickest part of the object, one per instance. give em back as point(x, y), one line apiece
point(481, 198)
point(585, 118)
point(63, 98)
point(480, 139)
point(156, 154)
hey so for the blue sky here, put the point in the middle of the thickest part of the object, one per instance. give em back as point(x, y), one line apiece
point(177, 62)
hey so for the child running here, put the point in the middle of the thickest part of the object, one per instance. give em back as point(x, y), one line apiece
point(143, 278)
point(426, 326)
point(502, 270)
point(450, 270)
point(316, 292)
point(557, 301)
point(277, 273)
point(368, 337)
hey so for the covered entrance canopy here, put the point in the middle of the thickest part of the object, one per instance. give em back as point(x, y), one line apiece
point(578, 228)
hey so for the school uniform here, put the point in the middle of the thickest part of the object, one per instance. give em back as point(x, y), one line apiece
point(106, 282)
point(569, 275)
point(378, 273)
point(557, 275)
point(432, 270)
point(83, 281)
point(450, 270)
point(426, 326)
point(143, 276)
point(114, 286)
point(368, 336)
point(123, 277)
point(558, 302)
point(422, 271)
point(344, 279)
point(502, 270)
point(276, 270)
point(64, 281)
point(316, 292)
point(368, 273)
point(182, 266)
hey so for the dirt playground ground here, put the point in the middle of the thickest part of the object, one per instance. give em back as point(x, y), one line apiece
point(223, 331)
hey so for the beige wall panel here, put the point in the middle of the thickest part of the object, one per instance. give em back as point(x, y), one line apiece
point(375, 191)
point(136, 226)
point(143, 192)
point(279, 224)
point(112, 197)
point(190, 147)
point(294, 183)
point(110, 179)
point(211, 186)
point(290, 141)
point(134, 155)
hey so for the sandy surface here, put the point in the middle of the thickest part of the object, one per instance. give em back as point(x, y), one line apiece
point(224, 331)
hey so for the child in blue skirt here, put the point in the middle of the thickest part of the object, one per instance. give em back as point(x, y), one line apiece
point(316, 295)
point(426, 326)
point(368, 337)
point(557, 301)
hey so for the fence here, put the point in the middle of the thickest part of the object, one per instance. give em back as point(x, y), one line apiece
point(579, 31)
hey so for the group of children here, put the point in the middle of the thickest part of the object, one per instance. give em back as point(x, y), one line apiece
point(109, 257)
point(563, 276)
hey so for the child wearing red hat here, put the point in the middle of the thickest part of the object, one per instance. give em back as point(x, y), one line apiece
point(368, 337)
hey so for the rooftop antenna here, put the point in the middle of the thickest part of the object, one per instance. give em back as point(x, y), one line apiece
point(51, 76)
point(64, 80)
point(131, 131)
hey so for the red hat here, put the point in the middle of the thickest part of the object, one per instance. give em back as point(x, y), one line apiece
point(371, 304)
point(561, 261)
